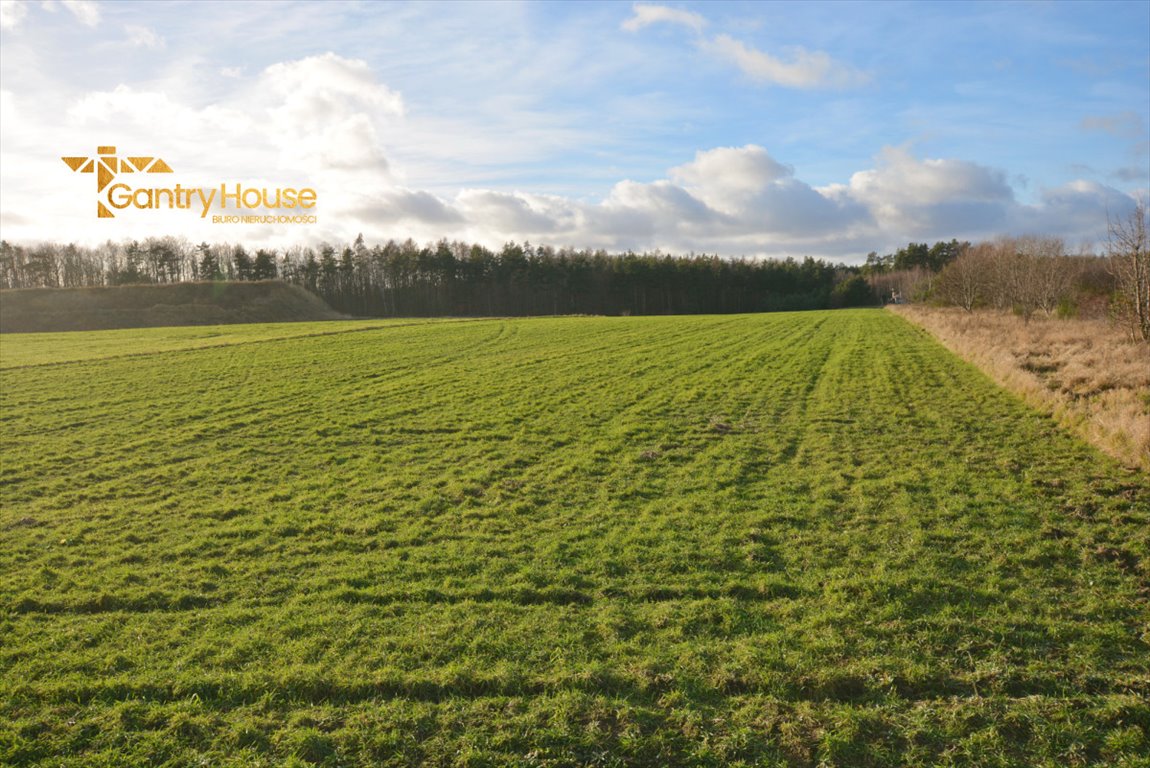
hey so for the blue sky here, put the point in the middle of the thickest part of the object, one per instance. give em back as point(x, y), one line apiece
point(760, 129)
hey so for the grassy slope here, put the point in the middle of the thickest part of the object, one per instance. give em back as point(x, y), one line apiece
point(42, 310)
point(770, 539)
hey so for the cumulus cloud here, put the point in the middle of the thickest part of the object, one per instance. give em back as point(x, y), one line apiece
point(801, 69)
point(660, 214)
point(508, 212)
point(1073, 209)
point(729, 178)
point(645, 14)
point(751, 192)
point(732, 169)
point(326, 111)
point(319, 84)
point(916, 196)
point(318, 113)
point(385, 211)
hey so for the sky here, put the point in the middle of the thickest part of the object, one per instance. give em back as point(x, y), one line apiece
point(762, 129)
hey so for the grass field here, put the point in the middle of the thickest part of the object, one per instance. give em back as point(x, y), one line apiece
point(791, 539)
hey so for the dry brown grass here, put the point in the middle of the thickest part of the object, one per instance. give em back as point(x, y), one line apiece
point(1085, 373)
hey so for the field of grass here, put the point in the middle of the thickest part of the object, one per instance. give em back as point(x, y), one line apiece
point(32, 349)
point(790, 539)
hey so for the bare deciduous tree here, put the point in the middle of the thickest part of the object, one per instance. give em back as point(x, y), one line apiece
point(1053, 271)
point(964, 281)
point(1130, 266)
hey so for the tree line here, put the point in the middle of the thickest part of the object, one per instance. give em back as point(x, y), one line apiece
point(1028, 275)
point(456, 278)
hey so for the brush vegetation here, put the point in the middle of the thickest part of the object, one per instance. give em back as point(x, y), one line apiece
point(789, 539)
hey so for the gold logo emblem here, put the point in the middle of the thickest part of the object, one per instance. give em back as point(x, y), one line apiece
point(106, 165)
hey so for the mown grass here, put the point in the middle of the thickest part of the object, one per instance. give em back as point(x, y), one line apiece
point(791, 539)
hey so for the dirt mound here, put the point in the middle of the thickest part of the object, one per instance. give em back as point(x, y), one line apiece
point(34, 310)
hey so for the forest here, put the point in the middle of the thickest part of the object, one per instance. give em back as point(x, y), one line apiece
point(399, 279)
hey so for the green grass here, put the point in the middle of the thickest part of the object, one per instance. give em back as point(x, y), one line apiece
point(791, 539)
point(17, 351)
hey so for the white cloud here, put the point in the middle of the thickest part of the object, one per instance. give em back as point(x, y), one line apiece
point(142, 37)
point(404, 206)
point(756, 194)
point(316, 83)
point(654, 14)
point(85, 10)
point(918, 196)
point(728, 177)
point(739, 168)
point(12, 12)
point(508, 212)
point(666, 206)
point(317, 115)
point(326, 111)
point(901, 178)
point(801, 68)
point(804, 69)
point(1073, 209)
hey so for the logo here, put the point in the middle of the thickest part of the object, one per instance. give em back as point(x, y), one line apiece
point(287, 205)
point(106, 165)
